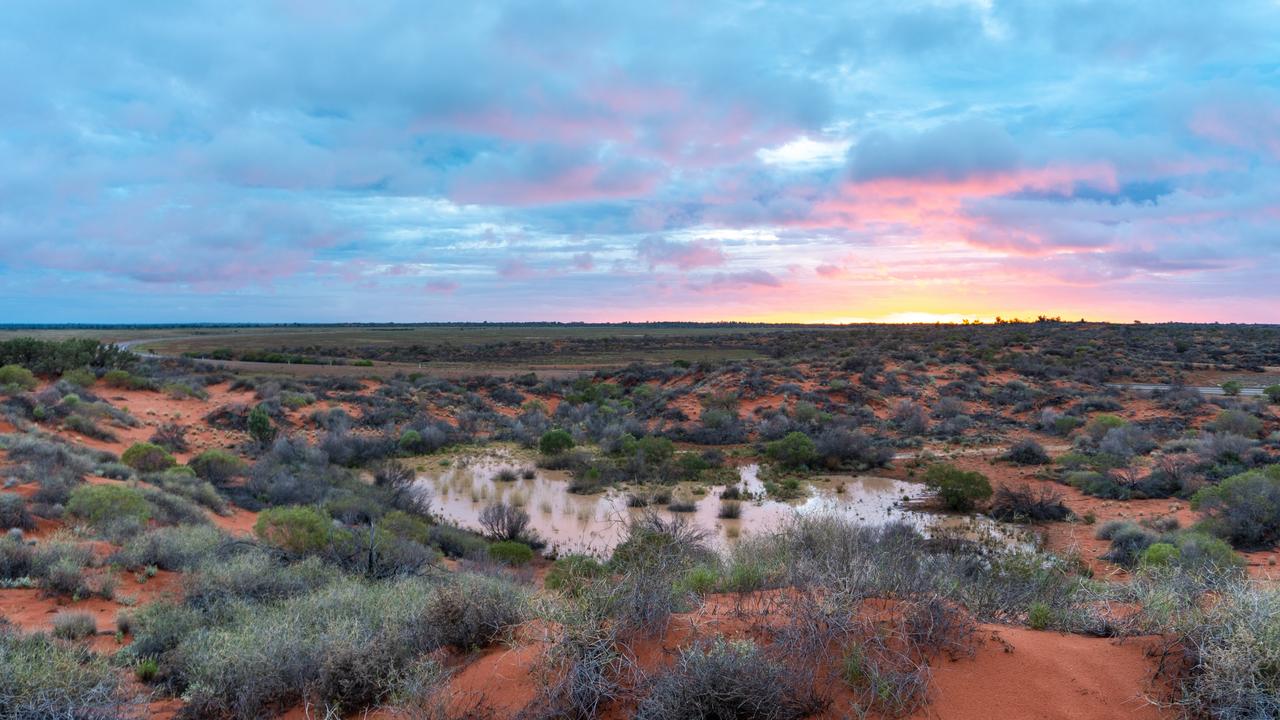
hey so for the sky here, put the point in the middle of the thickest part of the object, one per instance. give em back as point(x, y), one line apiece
point(387, 160)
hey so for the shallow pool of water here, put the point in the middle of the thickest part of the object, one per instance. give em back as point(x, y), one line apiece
point(595, 523)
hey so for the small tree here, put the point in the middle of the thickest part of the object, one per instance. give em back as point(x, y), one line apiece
point(795, 450)
point(410, 442)
point(1244, 509)
point(958, 489)
point(260, 427)
point(554, 442)
point(147, 457)
point(1273, 393)
point(1231, 387)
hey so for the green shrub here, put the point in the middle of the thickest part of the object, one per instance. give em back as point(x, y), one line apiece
point(217, 466)
point(958, 489)
point(656, 450)
point(410, 441)
point(17, 378)
point(1273, 393)
point(147, 457)
point(1244, 509)
point(510, 552)
point(294, 528)
point(1198, 550)
point(403, 525)
point(105, 505)
point(146, 669)
point(571, 573)
point(554, 442)
point(80, 377)
point(701, 579)
point(260, 427)
point(1065, 424)
point(1159, 555)
point(1231, 388)
point(796, 450)
point(122, 379)
point(1100, 425)
point(1238, 422)
point(744, 576)
point(1039, 616)
point(458, 543)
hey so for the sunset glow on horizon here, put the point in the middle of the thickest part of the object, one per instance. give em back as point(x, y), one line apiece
point(933, 161)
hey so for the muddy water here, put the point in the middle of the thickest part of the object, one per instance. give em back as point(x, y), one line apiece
point(594, 523)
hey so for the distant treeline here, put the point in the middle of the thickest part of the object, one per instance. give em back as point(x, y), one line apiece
point(54, 357)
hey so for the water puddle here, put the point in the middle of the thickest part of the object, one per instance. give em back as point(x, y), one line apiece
point(595, 523)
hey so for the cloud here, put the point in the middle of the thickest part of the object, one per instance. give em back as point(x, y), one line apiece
point(745, 278)
point(951, 152)
point(516, 269)
point(700, 253)
point(441, 287)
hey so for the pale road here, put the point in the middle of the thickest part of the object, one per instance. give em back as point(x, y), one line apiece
point(1202, 389)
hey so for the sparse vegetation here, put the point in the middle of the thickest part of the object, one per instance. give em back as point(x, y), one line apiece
point(337, 602)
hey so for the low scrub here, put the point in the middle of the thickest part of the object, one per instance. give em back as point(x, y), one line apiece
point(344, 647)
point(1025, 504)
point(14, 513)
point(73, 625)
point(217, 466)
point(727, 679)
point(172, 548)
point(106, 506)
point(1027, 452)
point(43, 678)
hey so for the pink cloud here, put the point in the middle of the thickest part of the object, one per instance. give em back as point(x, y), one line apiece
point(516, 269)
point(1241, 124)
point(441, 287)
point(503, 182)
point(947, 210)
point(758, 278)
point(684, 256)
